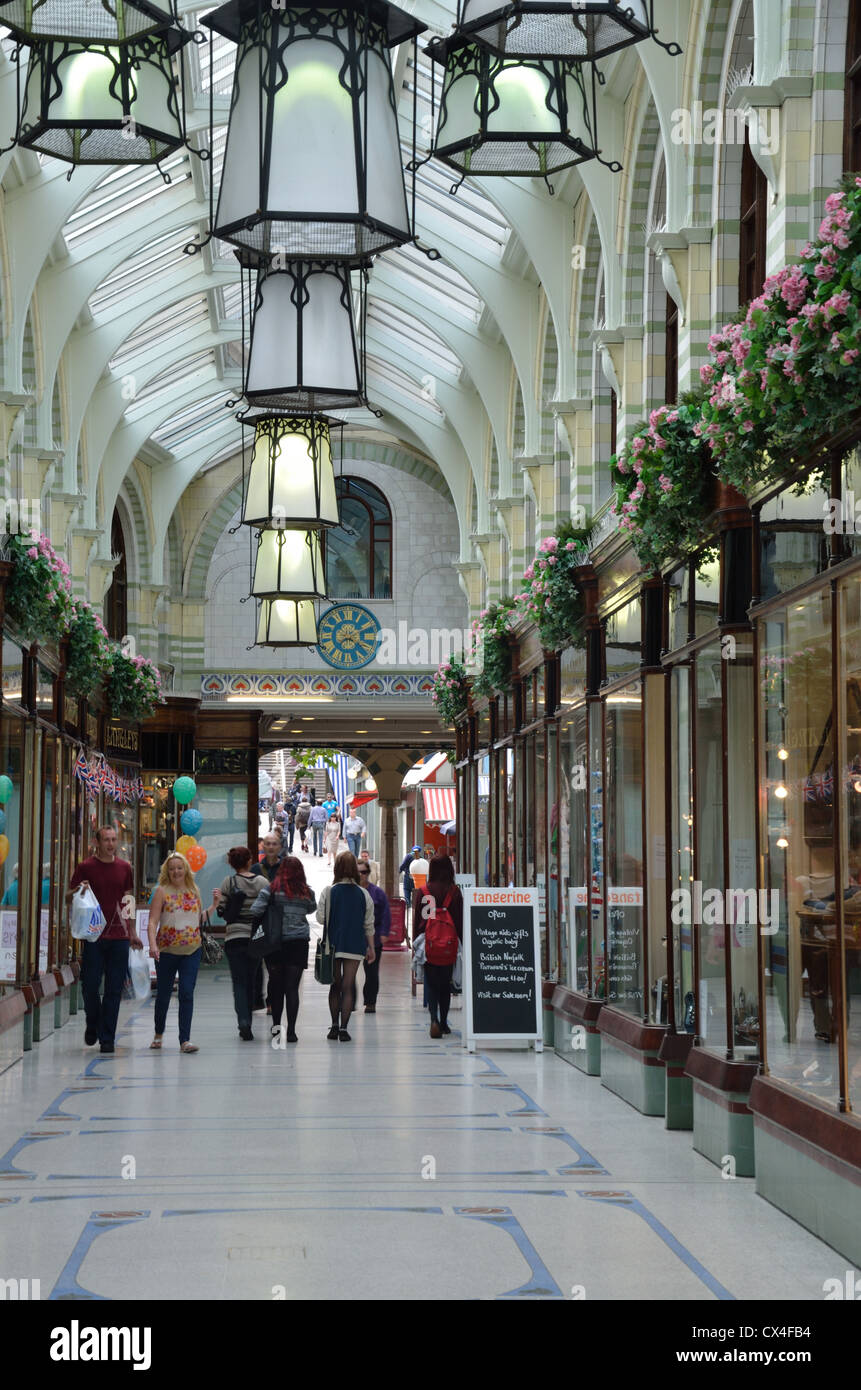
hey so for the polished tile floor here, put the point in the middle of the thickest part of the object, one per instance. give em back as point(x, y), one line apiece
point(387, 1168)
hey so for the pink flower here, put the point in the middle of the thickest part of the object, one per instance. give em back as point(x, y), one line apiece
point(707, 374)
point(849, 357)
point(666, 484)
point(570, 546)
point(33, 553)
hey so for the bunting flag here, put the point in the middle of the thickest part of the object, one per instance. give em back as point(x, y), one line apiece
point(98, 776)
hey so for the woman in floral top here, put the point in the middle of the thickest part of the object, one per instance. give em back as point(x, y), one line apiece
point(175, 944)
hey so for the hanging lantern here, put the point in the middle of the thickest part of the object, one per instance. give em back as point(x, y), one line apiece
point(504, 117)
point(304, 354)
point(109, 21)
point(312, 165)
point(586, 30)
point(291, 482)
point(289, 564)
point(283, 623)
point(90, 102)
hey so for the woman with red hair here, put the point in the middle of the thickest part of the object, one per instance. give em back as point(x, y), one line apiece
point(290, 895)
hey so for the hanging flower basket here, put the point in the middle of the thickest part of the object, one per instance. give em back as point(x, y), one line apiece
point(664, 484)
point(39, 590)
point(493, 642)
point(133, 685)
point(552, 596)
point(451, 690)
point(789, 373)
point(89, 654)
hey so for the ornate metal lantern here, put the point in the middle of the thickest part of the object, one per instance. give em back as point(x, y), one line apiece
point(585, 30)
point(109, 21)
point(289, 564)
point(91, 102)
point(312, 165)
point(283, 623)
point(501, 116)
point(291, 481)
point(304, 355)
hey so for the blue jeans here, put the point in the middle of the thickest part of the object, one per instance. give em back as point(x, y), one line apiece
point(318, 832)
point(110, 958)
point(166, 968)
point(354, 844)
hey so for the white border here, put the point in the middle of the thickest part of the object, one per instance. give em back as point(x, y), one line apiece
point(526, 897)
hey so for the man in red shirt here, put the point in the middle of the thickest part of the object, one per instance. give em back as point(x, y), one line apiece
point(111, 880)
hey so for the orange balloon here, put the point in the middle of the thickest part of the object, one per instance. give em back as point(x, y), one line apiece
point(185, 843)
point(4, 848)
point(196, 857)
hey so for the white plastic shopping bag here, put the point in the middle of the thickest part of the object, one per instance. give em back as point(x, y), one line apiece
point(139, 973)
point(88, 920)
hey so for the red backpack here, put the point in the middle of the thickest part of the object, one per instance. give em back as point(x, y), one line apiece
point(440, 936)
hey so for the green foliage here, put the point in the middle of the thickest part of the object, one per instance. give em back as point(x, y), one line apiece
point(551, 594)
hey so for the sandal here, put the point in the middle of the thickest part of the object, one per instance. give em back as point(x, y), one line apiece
point(188, 1047)
point(156, 1042)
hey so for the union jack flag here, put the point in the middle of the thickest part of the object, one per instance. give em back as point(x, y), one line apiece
point(819, 786)
point(82, 767)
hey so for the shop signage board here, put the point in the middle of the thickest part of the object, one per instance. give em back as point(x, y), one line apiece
point(623, 935)
point(502, 966)
point(122, 740)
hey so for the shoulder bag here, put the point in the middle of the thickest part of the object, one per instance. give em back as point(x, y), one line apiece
point(324, 958)
point(266, 933)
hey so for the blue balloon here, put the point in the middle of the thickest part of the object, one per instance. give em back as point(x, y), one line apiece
point(191, 821)
point(2, 822)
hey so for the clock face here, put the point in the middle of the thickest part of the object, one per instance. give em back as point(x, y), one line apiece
point(347, 637)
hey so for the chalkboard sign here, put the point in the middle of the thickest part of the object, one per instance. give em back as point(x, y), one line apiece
point(502, 967)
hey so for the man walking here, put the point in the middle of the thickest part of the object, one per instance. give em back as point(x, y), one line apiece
point(317, 822)
point(382, 927)
point(405, 870)
point(112, 884)
point(355, 831)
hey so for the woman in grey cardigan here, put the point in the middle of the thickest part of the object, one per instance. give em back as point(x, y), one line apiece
point(290, 892)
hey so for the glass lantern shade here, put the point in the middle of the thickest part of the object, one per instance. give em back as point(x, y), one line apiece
point(291, 481)
point(502, 116)
point(305, 173)
point(283, 623)
point(289, 564)
point(547, 29)
point(303, 354)
point(97, 103)
point(109, 21)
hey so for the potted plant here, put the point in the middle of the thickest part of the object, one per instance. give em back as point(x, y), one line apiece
point(133, 685)
point(552, 595)
point(39, 589)
point(492, 634)
point(451, 690)
point(88, 654)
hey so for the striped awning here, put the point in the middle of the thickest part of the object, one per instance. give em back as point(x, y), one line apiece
point(360, 799)
point(440, 805)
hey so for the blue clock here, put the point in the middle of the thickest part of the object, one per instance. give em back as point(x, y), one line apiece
point(347, 636)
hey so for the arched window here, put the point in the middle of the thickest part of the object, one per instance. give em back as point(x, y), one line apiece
point(116, 599)
point(852, 121)
point(753, 226)
point(359, 551)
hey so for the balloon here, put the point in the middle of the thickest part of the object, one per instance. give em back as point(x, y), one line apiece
point(184, 790)
point(6, 789)
point(191, 821)
point(185, 843)
point(2, 820)
point(196, 857)
point(4, 848)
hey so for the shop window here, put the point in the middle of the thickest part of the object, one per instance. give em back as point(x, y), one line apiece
point(850, 858)
point(13, 672)
point(753, 225)
point(11, 765)
point(794, 544)
point(706, 590)
point(678, 597)
point(624, 838)
point(852, 117)
point(622, 641)
point(743, 1037)
point(671, 351)
point(483, 821)
point(576, 898)
point(798, 783)
point(359, 551)
point(708, 820)
point(681, 847)
point(116, 599)
point(572, 675)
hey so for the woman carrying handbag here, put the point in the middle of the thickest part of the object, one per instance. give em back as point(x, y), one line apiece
point(346, 911)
